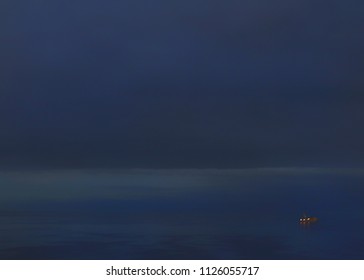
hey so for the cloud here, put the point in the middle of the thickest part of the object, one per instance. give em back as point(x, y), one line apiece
point(187, 84)
point(91, 184)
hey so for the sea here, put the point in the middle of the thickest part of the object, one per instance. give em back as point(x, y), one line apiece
point(183, 214)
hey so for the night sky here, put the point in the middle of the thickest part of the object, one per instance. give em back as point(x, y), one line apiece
point(181, 84)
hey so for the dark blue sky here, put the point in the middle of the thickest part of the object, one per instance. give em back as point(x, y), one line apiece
point(181, 84)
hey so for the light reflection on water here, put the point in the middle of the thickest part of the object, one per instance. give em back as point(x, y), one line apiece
point(182, 215)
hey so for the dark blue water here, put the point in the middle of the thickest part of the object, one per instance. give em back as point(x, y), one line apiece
point(182, 214)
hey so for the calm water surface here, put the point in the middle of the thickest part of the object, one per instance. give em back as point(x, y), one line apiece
point(182, 214)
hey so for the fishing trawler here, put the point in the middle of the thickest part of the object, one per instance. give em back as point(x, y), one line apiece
point(308, 220)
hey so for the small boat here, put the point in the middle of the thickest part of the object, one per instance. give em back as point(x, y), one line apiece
point(307, 219)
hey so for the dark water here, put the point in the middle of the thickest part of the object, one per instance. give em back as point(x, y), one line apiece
point(183, 214)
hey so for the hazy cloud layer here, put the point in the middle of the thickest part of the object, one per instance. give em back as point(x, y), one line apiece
point(119, 184)
point(181, 84)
